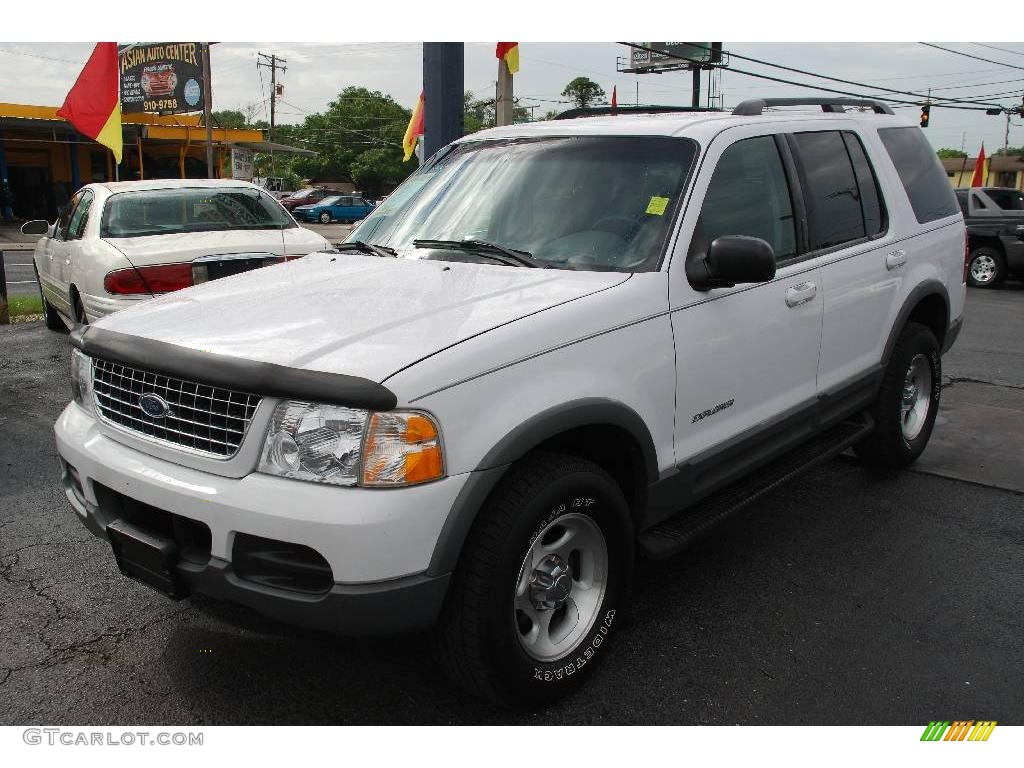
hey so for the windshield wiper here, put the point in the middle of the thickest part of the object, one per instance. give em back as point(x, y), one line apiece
point(364, 247)
point(484, 248)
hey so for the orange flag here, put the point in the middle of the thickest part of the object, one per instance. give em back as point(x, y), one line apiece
point(980, 170)
point(510, 53)
point(93, 105)
point(415, 129)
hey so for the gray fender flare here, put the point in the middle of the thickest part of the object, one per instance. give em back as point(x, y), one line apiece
point(515, 445)
point(922, 291)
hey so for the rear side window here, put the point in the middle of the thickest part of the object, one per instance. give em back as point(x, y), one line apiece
point(870, 197)
point(830, 189)
point(923, 178)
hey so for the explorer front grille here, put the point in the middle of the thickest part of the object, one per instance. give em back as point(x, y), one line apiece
point(210, 420)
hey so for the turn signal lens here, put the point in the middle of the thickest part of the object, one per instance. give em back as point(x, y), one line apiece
point(401, 448)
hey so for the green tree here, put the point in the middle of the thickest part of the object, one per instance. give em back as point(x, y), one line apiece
point(583, 92)
point(480, 113)
point(228, 118)
point(945, 153)
point(1011, 151)
point(358, 138)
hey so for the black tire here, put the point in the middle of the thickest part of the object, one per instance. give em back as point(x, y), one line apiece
point(50, 316)
point(325, 218)
point(477, 640)
point(888, 445)
point(79, 309)
point(986, 267)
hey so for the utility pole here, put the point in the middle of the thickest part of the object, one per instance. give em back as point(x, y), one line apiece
point(272, 62)
point(208, 109)
point(503, 114)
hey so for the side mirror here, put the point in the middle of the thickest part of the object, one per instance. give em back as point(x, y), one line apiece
point(730, 260)
point(35, 227)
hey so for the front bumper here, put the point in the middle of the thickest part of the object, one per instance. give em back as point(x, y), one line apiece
point(378, 543)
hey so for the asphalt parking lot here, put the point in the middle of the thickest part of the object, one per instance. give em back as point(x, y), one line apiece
point(847, 597)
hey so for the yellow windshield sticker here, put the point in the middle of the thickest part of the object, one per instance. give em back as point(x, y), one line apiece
point(657, 206)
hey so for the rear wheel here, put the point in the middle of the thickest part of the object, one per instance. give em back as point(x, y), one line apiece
point(79, 309)
point(907, 401)
point(986, 268)
point(50, 316)
point(542, 583)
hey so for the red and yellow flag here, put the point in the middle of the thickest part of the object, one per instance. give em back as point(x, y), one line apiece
point(980, 169)
point(510, 53)
point(93, 105)
point(415, 129)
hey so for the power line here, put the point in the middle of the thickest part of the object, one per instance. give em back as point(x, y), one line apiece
point(997, 48)
point(969, 56)
point(812, 74)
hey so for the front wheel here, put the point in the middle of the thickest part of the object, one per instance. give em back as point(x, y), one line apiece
point(907, 402)
point(986, 268)
point(325, 218)
point(542, 583)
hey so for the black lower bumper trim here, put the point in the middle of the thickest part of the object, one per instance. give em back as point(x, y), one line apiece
point(407, 604)
point(385, 608)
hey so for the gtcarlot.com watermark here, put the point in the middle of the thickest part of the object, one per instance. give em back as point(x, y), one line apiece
point(76, 737)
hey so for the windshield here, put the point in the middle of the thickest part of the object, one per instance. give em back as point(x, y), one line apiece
point(192, 209)
point(330, 200)
point(303, 193)
point(581, 202)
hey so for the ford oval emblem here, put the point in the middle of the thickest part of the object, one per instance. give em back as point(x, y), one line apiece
point(154, 406)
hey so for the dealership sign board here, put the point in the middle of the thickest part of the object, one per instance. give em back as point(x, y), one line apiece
point(674, 54)
point(161, 77)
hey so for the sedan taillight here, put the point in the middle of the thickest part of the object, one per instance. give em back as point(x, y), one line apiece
point(161, 278)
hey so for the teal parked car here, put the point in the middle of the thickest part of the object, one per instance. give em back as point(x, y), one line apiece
point(338, 208)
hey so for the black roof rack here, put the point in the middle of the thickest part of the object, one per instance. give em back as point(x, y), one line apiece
point(756, 106)
point(628, 110)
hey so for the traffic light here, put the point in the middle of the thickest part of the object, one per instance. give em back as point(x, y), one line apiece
point(925, 112)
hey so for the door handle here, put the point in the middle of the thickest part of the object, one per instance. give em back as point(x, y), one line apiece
point(895, 259)
point(800, 294)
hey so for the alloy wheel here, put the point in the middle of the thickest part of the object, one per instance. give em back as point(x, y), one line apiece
point(917, 397)
point(561, 587)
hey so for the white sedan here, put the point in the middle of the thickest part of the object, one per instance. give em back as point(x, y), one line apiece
point(119, 243)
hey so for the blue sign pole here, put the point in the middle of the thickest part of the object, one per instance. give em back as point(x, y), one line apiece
point(443, 88)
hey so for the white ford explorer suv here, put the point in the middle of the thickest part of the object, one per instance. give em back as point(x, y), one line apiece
point(554, 347)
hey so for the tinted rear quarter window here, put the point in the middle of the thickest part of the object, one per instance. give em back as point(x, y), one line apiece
point(922, 176)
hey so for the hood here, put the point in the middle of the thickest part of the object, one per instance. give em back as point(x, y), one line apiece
point(186, 246)
point(346, 313)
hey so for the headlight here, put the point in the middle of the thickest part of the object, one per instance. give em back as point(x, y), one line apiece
point(350, 446)
point(81, 379)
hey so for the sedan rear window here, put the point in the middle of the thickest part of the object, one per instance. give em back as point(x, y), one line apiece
point(194, 209)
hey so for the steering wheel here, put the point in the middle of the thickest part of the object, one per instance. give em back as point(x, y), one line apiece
point(629, 222)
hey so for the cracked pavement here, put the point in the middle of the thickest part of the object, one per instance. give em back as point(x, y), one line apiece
point(846, 597)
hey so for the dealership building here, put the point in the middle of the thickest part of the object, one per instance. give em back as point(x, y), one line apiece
point(45, 160)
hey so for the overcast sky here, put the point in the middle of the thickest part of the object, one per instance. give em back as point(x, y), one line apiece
point(41, 73)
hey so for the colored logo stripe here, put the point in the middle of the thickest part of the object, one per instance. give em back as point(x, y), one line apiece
point(959, 730)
